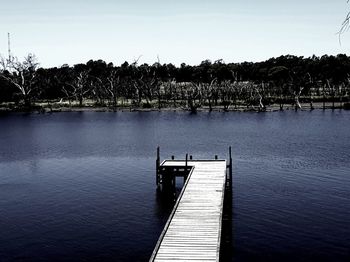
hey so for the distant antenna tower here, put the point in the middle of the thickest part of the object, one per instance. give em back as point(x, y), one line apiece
point(9, 48)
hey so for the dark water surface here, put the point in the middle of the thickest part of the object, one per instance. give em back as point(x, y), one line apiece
point(81, 186)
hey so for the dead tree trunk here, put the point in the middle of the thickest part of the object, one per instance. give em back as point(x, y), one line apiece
point(324, 97)
point(296, 97)
point(262, 107)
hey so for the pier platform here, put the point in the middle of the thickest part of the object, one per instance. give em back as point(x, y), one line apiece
point(193, 230)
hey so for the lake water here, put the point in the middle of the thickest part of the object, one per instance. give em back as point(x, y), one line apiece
point(81, 186)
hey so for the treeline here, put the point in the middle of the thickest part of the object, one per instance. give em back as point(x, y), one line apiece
point(283, 80)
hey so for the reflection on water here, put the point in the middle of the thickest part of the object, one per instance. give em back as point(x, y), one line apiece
point(81, 186)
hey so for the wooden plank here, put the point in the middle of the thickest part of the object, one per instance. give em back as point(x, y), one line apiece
point(193, 230)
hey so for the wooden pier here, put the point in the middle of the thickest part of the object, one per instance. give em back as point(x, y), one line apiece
point(193, 230)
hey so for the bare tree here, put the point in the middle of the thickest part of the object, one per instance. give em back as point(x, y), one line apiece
point(331, 90)
point(137, 82)
point(21, 75)
point(193, 93)
point(296, 89)
point(98, 89)
point(170, 91)
point(3, 63)
point(345, 25)
point(296, 93)
point(237, 89)
point(226, 90)
point(112, 87)
point(149, 84)
point(159, 90)
point(80, 86)
point(309, 83)
point(209, 90)
point(69, 92)
point(260, 90)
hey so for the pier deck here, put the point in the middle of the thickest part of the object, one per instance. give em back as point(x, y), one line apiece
point(193, 230)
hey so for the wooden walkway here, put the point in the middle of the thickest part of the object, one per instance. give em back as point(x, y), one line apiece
point(193, 230)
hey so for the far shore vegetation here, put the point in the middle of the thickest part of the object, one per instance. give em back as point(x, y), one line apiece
point(285, 82)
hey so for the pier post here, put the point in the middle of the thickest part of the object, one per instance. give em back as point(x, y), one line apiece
point(157, 166)
point(230, 166)
point(185, 176)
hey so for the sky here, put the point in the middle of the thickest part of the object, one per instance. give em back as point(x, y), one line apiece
point(178, 31)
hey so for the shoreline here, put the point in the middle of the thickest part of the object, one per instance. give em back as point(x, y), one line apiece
point(271, 108)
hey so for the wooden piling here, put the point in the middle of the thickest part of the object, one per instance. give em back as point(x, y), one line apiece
point(230, 165)
point(157, 166)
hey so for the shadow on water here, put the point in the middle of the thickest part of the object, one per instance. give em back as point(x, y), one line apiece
point(165, 200)
point(226, 248)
